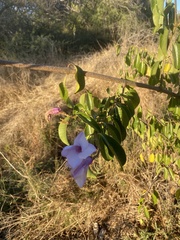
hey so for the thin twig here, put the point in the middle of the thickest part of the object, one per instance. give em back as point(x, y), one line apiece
point(70, 70)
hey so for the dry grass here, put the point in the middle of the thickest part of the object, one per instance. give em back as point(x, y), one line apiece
point(39, 199)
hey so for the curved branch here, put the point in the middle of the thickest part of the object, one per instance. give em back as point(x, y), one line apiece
point(69, 70)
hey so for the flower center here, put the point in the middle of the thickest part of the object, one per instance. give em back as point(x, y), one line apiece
point(78, 149)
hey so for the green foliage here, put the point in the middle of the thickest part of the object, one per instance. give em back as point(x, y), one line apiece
point(104, 120)
point(161, 138)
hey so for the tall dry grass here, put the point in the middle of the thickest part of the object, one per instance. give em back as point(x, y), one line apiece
point(39, 199)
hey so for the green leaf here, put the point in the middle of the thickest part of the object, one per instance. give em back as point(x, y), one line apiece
point(174, 106)
point(176, 55)
point(172, 17)
point(146, 212)
point(80, 78)
point(90, 121)
point(132, 96)
point(88, 130)
point(139, 65)
point(137, 61)
point(104, 149)
point(130, 107)
point(129, 56)
point(87, 101)
point(91, 174)
point(163, 45)
point(155, 197)
point(177, 194)
point(115, 148)
point(64, 94)
point(124, 115)
point(118, 50)
point(62, 130)
point(142, 68)
point(155, 73)
point(63, 91)
point(113, 131)
point(174, 77)
point(157, 7)
point(119, 126)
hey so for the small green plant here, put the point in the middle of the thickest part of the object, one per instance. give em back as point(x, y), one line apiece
point(104, 121)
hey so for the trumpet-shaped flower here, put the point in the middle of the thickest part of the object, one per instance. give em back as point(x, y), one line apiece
point(81, 149)
point(78, 157)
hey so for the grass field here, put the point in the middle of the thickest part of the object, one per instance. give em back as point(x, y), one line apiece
point(39, 199)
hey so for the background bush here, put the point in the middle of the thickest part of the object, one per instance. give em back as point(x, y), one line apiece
point(53, 28)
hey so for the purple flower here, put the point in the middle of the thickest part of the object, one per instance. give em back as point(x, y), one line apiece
point(78, 158)
point(53, 111)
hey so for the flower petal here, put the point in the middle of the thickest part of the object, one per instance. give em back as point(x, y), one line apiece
point(80, 140)
point(81, 177)
point(80, 173)
point(84, 163)
point(72, 156)
point(73, 162)
point(87, 151)
point(66, 150)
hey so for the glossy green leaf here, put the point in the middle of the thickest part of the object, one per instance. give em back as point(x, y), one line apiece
point(90, 121)
point(163, 45)
point(130, 107)
point(137, 61)
point(128, 60)
point(119, 126)
point(115, 148)
point(176, 55)
point(155, 73)
point(62, 130)
point(63, 91)
point(104, 149)
point(124, 115)
point(87, 101)
point(157, 7)
point(88, 130)
point(169, 13)
point(132, 96)
point(143, 68)
point(80, 78)
point(139, 65)
point(113, 132)
point(64, 94)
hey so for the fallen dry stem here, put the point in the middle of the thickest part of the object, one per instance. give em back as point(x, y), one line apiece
point(70, 70)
